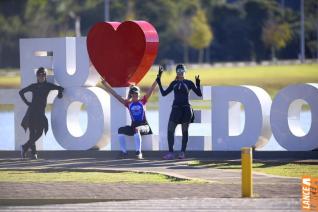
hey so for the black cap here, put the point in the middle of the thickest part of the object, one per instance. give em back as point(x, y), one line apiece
point(180, 68)
point(40, 71)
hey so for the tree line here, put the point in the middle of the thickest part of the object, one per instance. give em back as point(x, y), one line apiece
point(190, 31)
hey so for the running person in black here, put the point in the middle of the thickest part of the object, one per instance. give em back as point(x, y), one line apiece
point(181, 112)
point(35, 119)
point(139, 125)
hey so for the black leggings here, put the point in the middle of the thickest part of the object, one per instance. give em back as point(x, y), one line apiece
point(185, 135)
point(34, 136)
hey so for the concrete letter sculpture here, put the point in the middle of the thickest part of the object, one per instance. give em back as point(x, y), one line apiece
point(285, 117)
point(68, 59)
point(256, 132)
point(66, 128)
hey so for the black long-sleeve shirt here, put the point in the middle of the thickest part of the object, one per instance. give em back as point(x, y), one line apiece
point(35, 115)
point(181, 89)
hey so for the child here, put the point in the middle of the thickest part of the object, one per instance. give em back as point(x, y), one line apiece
point(139, 125)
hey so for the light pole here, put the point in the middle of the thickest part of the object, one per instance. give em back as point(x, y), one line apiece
point(106, 9)
point(317, 33)
point(282, 5)
point(302, 32)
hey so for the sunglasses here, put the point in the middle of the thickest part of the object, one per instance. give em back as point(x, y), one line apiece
point(180, 70)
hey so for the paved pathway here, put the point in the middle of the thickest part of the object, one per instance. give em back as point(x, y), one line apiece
point(222, 190)
point(182, 205)
point(177, 168)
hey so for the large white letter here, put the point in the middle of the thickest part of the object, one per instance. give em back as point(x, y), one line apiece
point(67, 57)
point(198, 140)
point(67, 130)
point(285, 116)
point(256, 131)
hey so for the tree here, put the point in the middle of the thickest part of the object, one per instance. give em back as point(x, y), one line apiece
point(257, 12)
point(38, 18)
point(276, 36)
point(311, 26)
point(201, 34)
point(162, 14)
point(11, 29)
point(230, 32)
point(72, 10)
point(130, 14)
point(186, 10)
point(239, 26)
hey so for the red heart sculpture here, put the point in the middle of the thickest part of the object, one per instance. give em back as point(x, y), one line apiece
point(122, 53)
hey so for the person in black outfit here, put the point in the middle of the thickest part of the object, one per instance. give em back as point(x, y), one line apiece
point(35, 119)
point(182, 112)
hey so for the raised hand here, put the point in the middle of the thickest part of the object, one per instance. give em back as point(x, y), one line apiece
point(60, 95)
point(197, 80)
point(160, 71)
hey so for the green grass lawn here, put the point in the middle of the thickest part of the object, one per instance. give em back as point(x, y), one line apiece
point(270, 78)
point(9, 81)
point(290, 169)
point(87, 177)
point(258, 75)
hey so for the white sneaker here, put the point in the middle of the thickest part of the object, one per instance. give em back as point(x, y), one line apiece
point(34, 157)
point(139, 155)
